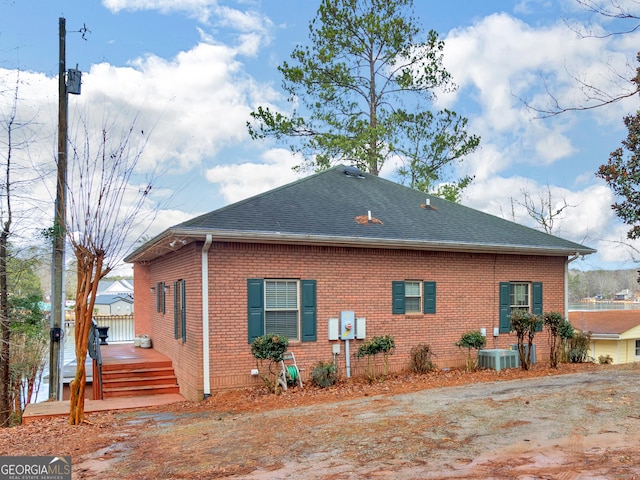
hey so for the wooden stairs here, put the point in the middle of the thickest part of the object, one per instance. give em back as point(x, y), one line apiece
point(138, 378)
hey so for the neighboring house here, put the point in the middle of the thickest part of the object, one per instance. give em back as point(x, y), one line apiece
point(115, 287)
point(623, 295)
point(113, 305)
point(413, 266)
point(613, 332)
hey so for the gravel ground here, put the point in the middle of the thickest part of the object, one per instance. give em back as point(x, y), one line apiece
point(573, 426)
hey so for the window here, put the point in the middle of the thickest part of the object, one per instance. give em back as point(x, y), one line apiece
point(179, 311)
point(282, 306)
point(518, 296)
point(637, 348)
point(160, 300)
point(413, 296)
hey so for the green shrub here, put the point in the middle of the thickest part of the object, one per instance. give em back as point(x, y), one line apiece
point(420, 359)
point(554, 322)
point(385, 345)
point(579, 347)
point(525, 324)
point(605, 360)
point(268, 351)
point(472, 340)
point(324, 374)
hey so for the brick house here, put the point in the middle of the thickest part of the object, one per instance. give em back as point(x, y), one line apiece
point(417, 267)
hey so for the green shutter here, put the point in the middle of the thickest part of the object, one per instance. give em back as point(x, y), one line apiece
point(397, 292)
point(255, 305)
point(505, 308)
point(163, 303)
point(429, 297)
point(537, 301)
point(159, 294)
point(176, 311)
point(308, 313)
point(183, 310)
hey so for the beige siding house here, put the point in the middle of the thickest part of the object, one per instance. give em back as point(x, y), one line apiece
point(613, 332)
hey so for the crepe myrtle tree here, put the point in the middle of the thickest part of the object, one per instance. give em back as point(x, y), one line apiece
point(525, 324)
point(359, 93)
point(106, 200)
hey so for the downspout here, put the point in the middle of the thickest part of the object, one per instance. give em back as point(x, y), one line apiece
point(566, 284)
point(205, 317)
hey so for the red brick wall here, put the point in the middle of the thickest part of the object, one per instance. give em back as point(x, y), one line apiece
point(141, 300)
point(187, 357)
point(467, 298)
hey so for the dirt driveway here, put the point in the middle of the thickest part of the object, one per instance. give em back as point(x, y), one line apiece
point(575, 426)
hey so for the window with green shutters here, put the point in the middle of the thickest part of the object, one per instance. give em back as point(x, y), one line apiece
point(180, 310)
point(282, 306)
point(160, 297)
point(413, 296)
point(518, 296)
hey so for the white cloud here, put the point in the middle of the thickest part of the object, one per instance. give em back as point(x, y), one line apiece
point(239, 181)
point(587, 219)
point(200, 9)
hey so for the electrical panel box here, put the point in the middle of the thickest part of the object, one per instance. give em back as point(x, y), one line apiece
point(347, 325)
point(334, 331)
point(74, 81)
point(361, 328)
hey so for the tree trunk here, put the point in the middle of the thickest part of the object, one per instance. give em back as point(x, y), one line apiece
point(89, 274)
point(5, 336)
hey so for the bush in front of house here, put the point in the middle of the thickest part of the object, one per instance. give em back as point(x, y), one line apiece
point(560, 330)
point(324, 374)
point(268, 351)
point(376, 345)
point(605, 359)
point(420, 359)
point(525, 325)
point(579, 347)
point(472, 341)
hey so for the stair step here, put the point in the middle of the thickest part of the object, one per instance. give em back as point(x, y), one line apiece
point(110, 367)
point(139, 372)
point(140, 381)
point(138, 391)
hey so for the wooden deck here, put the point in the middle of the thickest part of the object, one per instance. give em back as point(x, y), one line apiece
point(122, 355)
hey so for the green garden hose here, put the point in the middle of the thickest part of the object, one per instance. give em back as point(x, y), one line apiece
point(293, 372)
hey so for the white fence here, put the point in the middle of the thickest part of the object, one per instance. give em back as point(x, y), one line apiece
point(120, 329)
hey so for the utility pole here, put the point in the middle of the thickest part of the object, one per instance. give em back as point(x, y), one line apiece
point(59, 231)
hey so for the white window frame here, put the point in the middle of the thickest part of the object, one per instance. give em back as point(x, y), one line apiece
point(513, 300)
point(637, 348)
point(407, 296)
point(268, 309)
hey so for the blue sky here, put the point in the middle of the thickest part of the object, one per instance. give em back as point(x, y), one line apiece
point(194, 69)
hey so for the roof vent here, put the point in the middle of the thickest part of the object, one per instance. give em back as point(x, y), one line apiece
point(355, 172)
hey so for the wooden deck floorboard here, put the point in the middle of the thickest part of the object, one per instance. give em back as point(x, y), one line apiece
point(118, 354)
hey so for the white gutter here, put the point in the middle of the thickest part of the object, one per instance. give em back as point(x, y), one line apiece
point(205, 317)
point(566, 284)
point(160, 245)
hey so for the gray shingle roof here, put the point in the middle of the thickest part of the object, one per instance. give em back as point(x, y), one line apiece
point(332, 207)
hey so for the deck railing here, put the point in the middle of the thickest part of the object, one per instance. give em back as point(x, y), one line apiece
point(121, 330)
point(121, 327)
